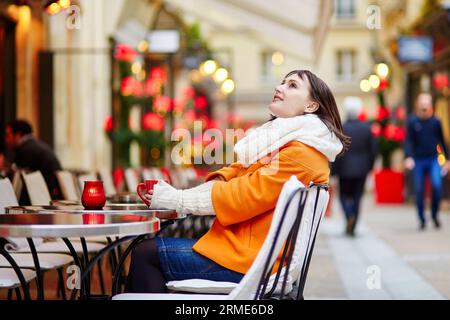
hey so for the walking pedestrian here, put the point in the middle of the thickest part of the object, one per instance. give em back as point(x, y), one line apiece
point(424, 135)
point(353, 167)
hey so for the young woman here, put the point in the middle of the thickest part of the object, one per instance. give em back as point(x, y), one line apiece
point(305, 133)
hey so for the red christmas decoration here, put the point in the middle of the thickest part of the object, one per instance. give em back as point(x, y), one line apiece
point(189, 115)
point(118, 176)
point(162, 104)
point(362, 115)
point(153, 87)
point(189, 92)
point(384, 83)
point(178, 105)
point(212, 124)
point(389, 131)
point(382, 113)
point(124, 53)
point(205, 120)
point(152, 121)
point(131, 86)
point(376, 129)
point(200, 102)
point(108, 124)
point(440, 81)
point(158, 73)
point(400, 113)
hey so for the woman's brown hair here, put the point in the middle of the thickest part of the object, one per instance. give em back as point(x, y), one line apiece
point(328, 111)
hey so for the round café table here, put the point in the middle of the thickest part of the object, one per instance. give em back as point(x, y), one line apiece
point(116, 208)
point(128, 197)
point(64, 225)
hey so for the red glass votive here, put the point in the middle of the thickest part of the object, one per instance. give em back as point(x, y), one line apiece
point(93, 197)
point(93, 218)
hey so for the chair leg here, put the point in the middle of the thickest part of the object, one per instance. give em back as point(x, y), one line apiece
point(58, 289)
point(100, 276)
point(18, 294)
point(10, 292)
point(61, 287)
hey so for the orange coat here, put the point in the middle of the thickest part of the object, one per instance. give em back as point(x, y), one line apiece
point(245, 201)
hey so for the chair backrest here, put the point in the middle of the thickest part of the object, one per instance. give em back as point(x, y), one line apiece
point(37, 188)
point(312, 215)
point(290, 203)
point(147, 174)
point(17, 183)
point(157, 173)
point(132, 179)
point(108, 184)
point(86, 177)
point(7, 199)
point(68, 187)
point(314, 211)
point(7, 195)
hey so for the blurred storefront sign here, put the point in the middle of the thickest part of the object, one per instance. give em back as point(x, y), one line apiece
point(415, 49)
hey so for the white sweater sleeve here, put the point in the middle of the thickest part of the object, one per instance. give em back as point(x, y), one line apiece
point(195, 201)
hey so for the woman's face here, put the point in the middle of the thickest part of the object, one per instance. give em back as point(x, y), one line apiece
point(292, 98)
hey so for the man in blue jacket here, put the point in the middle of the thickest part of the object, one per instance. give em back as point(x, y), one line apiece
point(353, 167)
point(424, 135)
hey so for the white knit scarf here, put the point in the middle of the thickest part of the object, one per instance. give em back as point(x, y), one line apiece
point(271, 136)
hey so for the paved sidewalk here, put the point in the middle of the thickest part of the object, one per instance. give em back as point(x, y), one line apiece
point(388, 259)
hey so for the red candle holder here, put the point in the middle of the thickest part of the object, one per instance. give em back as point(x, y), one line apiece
point(93, 197)
point(93, 218)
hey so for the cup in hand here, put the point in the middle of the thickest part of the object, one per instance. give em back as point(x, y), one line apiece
point(145, 187)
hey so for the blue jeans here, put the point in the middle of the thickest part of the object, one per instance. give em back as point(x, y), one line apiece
point(430, 167)
point(180, 262)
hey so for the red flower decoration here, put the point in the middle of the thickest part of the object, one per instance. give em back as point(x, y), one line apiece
point(400, 113)
point(118, 176)
point(382, 113)
point(384, 83)
point(362, 116)
point(153, 87)
point(178, 105)
point(189, 92)
point(212, 124)
point(189, 115)
point(400, 134)
point(200, 102)
point(152, 121)
point(124, 53)
point(376, 130)
point(205, 120)
point(108, 124)
point(158, 73)
point(161, 104)
point(131, 86)
point(440, 81)
point(390, 131)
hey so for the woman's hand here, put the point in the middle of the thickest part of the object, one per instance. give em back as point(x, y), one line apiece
point(149, 196)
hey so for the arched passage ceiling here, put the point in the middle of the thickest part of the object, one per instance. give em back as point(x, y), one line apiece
point(296, 27)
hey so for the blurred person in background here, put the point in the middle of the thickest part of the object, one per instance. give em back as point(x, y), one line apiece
point(424, 134)
point(352, 168)
point(31, 154)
